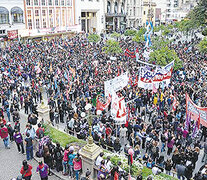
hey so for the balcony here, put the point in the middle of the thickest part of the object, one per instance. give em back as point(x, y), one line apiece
point(115, 15)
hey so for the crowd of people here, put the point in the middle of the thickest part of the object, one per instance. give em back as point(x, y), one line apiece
point(70, 73)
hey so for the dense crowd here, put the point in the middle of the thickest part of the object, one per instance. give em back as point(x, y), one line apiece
point(70, 73)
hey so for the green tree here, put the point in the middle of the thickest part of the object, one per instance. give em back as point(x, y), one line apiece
point(198, 15)
point(112, 47)
point(159, 42)
point(94, 38)
point(130, 32)
point(164, 56)
point(204, 33)
point(202, 46)
point(166, 32)
point(115, 35)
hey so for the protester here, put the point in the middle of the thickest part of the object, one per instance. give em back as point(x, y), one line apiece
point(42, 169)
point(5, 135)
point(26, 170)
point(19, 141)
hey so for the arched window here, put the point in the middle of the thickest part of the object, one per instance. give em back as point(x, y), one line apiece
point(108, 7)
point(116, 7)
point(4, 15)
point(122, 8)
point(17, 15)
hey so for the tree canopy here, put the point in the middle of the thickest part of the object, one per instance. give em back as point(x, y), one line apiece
point(112, 47)
point(202, 46)
point(94, 38)
point(164, 56)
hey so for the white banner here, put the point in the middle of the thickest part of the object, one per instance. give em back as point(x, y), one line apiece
point(118, 109)
point(116, 84)
point(161, 77)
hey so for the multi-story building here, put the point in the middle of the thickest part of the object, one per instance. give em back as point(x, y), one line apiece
point(90, 15)
point(11, 18)
point(148, 12)
point(49, 15)
point(115, 15)
point(174, 10)
point(134, 13)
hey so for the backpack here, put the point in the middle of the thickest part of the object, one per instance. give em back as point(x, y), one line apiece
point(41, 133)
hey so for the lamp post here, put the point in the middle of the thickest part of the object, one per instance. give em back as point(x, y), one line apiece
point(90, 118)
point(90, 151)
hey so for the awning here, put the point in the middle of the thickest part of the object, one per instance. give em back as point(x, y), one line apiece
point(16, 10)
point(4, 10)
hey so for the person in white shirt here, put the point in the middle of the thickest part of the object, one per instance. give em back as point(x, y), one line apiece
point(123, 132)
point(99, 159)
point(108, 164)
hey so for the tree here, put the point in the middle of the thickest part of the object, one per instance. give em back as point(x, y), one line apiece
point(115, 35)
point(137, 38)
point(198, 16)
point(94, 38)
point(130, 32)
point(166, 32)
point(159, 42)
point(204, 33)
point(164, 56)
point(112, 47)
point(202, 46)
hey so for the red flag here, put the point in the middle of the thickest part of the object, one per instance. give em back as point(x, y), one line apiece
point(130, 79)
point(175, 103)
point(32, 83)
point(96, 71)
point(199, 121)
point(109, 69)
point(118, 73)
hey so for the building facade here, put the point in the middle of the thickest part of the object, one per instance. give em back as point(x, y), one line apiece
point(90, 15)
point(134, 13)
point(148, 12)
point(115, 15)
point(49, 15)
point(11, 18)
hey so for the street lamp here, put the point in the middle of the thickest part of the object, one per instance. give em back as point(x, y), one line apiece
point(89, 118)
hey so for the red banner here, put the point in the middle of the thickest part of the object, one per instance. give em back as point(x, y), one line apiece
point(12, 34)
point(196, 111)
point(128, 53)
point(101, 106)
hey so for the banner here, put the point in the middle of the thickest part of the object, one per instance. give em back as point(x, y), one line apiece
point(195, 110)
point(148, 79)
point(101, 106)
point(12, 34)
point(118, 109)
point(116, 84)
point(128, 53)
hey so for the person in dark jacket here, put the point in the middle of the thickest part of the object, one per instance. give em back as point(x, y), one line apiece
point(58, 157)
point(189, 171)
point(168, 166)
point(117, 145)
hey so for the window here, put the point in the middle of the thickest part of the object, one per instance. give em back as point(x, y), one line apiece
point(144, 12)
point(116, 7)
point(51, 17)
point(122, 8)
point(36, 12)
point(57, 17)
point(29, 14)
point(43, 3)
point(43, 12)
point(30, 23)
point(28, 2)
point(50, 2)
point(36, 3)
point(2, 31)
point(134, 11)
point(17, 15)
point(63, 17)
point(37, 23)
point(56, 2)
point(4, 15)
point(62, 2)
point(108, 7)
point(44, 23)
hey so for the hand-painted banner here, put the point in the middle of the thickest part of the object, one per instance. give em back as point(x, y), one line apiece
point(195, 110)
point(148, 79)
point(118, 109)
point(101, 106)
point(116, 84)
